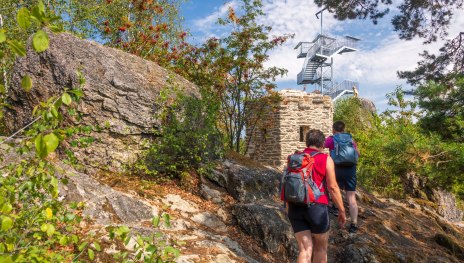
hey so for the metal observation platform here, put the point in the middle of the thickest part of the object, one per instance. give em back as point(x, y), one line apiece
point(317, 68)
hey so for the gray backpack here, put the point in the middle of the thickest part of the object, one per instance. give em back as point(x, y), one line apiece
point(297, 185)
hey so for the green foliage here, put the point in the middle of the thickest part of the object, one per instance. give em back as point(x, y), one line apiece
point(33, 220)
point(442, 68)
point(187, 138)
point(356, 117)
point(443, 108)
point(232, 68)
point(35, 226)
point(31, 18)
point(152, 248)
point(393, 145)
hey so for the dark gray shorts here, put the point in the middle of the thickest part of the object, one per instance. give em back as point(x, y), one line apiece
point(346, 177)
point(314, 218)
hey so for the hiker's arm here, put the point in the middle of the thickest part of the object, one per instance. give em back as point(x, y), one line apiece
point(335, 190)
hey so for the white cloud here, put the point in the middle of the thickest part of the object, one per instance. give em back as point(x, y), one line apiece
point(207, 25)
point(375, 65)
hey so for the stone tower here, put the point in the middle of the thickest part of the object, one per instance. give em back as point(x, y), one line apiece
point(283, 127)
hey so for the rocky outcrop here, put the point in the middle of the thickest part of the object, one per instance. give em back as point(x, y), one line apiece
point(368, 105)
point(447, 205)
point(204, 233)
point(257, 212)
point(120, 95)
point(390, 230)
point(439, 200)
point(269, 225)
point(103, 204)
point(247, 184)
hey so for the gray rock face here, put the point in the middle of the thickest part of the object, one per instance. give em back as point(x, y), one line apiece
point(353, 254)
point(211, 194)
point(447, 205)
point(248, 184)
point(257, 212)
point(104, 204)
point(368, 104)
point(269, 225)
point(120, 94)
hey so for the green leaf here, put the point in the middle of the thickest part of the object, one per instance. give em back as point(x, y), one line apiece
point(171, 250)
point(56, 28)
point(7, 223)
point(1, 54)
point(26, 83)
point(64, 240)
point(82, 246)
point(38, 12)
point(70, 216)
point(40, 41)
point(40, 147)
point(50, 230)
point(51, 142)
point(66, 98)
point(97, 246)
point(2, 89)
point(2, 36)
point(41, 6)
point(167, 220)
point(6, 208)
point(54, 186)
point(91, 254)
point(24, 18)
point(155, 221)
point(17, 47)
point(6, 259)
point(151, 248)
point(54, 112)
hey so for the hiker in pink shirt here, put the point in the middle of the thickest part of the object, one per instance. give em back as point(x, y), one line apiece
point(345, 174)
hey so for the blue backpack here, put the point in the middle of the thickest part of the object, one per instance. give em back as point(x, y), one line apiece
point(344, 153)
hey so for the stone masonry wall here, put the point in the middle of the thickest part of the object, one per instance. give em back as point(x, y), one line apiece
point(285, 128)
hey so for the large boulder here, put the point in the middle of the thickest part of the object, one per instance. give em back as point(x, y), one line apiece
point(269, 225)
point(246, 183)
point(121, 92)
point(258, 211)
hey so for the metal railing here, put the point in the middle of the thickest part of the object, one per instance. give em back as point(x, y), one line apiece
point(324, 46)
point(338, 88)
point(348, 42)
point(303, 48)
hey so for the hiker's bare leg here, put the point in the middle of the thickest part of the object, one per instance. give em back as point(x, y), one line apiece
point(305, 246)
point(320, 247)
point(351, 196)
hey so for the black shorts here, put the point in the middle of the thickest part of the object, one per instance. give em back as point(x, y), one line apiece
point(346, 177)
point(314, 218)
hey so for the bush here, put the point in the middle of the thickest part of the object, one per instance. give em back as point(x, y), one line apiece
point(187, 138)
point(393, 146)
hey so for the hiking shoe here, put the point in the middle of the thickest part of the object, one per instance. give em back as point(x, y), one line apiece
point(333, 210)
point(353, 228)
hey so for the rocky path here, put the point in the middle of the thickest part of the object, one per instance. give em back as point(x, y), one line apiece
point(224, 219)
point(206, 229)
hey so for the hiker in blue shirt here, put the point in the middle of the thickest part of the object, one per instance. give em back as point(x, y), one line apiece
point(344, 152)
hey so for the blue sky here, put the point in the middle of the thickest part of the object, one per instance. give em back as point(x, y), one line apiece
point(374, 65)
